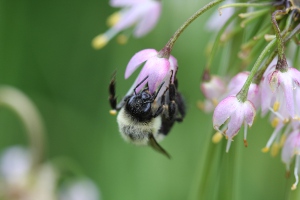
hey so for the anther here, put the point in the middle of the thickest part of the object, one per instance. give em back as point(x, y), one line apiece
point(113, 112)
point(276, 106)
point(245, 143)
point(217, 137)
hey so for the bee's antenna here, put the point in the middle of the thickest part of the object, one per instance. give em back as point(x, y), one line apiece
point(139, 84)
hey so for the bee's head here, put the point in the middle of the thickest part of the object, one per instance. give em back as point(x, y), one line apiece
point(139, 105)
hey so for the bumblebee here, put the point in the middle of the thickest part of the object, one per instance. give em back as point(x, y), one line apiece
point(145, 118)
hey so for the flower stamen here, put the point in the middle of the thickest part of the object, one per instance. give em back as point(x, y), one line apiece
point(275, 122)
point(113, 19)
point(228, 144)
point(278, 115)
point(276, 106)
point(296, 173)
point(245, 134)
point(272, 138)
point(217, 137)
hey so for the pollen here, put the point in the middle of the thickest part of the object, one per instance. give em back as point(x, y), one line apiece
point(113, 19)
point(217, 137)
point(245, 143)
point(275, 122)
point(113, 112)
point(215, 102)
point(275, 149)
point(265, 149)
point(122, 39)
point(200, 105)
point(294, 187)
point(100, 41)
point(276, 106)
point(286, 120)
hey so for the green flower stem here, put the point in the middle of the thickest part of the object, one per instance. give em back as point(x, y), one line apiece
point(217, 41)
point(244, 5)
point(258, 76)
point(296, 58)
point(165, 52)
point(207, 180)
point(293, 33)
point(242, 95)
point(237, 166)
point(280, 44)
point(254, 13)
point(255, 39)
point(226, 36)
point(30, 117)
point(253, 17)
point(286, 38)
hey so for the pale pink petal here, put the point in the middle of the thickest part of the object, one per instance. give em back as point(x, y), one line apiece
point(237, 82)
point(173, 65)
point(267, 97)
point(249, 112)
point(295, 75)
point(254, 95)
point(235, 123)
point(148, 19)
point(129, 17)
point(122, 3)
point(156, 68)
point(224, 110)
point(291, 144)
point(138, 59)
point(214, 88)
point(287, 86)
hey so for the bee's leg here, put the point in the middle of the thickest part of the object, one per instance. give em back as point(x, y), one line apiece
point(181, 107)
point(161, 106)
point(180, 102)
point(112, 96)
point(176, 102)
point(172, 103)
point(112, 93)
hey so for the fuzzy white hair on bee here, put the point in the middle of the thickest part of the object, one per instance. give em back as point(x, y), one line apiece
point(145, 118)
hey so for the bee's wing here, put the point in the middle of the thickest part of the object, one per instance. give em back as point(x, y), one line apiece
point(153, 143)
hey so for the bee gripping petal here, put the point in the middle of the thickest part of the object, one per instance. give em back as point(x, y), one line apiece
point(138, 59)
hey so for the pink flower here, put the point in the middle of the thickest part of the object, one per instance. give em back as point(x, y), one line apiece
point(143, 14)
point(156, 68)
point(213, 89)
point(232, 113)
point(279, 89)
point(290, 149)
point(236, 84)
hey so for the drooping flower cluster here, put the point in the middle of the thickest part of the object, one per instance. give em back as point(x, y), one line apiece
point(271, 89)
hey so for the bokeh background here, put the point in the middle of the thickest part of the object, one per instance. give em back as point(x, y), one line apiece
point(45, 51)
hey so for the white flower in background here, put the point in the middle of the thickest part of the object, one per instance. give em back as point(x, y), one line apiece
point(80, 190)
point(20, 182)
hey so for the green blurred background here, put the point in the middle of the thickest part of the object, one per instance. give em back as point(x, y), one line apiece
point(45, 51)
